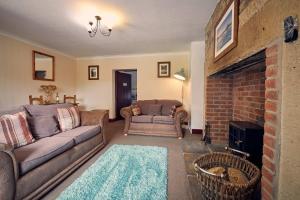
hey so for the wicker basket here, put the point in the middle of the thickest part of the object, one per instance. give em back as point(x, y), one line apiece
point(214, 186)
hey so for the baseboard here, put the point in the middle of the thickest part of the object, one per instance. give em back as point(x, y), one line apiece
point(113, 120)
point(197, 131)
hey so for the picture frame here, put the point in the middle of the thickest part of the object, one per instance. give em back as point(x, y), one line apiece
point(226, 30)
point(164, 69)
point(93, 72)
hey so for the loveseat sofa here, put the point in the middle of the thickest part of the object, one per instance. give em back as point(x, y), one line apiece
point(155, 118)
point(30, 171)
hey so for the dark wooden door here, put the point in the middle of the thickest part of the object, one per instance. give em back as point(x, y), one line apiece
point(123, 91)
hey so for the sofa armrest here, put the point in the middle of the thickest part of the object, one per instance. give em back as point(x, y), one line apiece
point(96, 117)
point(8, 172)
point(126, 112)
point(180, 116)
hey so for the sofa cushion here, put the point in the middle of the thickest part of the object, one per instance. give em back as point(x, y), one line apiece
point(163, 120)
point(43, 126)
point(14, 130)
point(80, 134)
point(39, 152)
point(144, 105)
point(45, 110)
point(68, 118)
point(136, 110)
point(12, 111)
point(142, 119)
point(167, 106)
point(154, 109)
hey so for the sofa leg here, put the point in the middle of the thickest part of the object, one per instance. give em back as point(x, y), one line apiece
point(179, 138)
point(125, 134)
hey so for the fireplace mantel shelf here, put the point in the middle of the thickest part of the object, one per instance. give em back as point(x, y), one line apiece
point(243, 64)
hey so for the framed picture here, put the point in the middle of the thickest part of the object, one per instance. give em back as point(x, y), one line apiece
point(226, 30)
point(93, 72)
point(163, 69)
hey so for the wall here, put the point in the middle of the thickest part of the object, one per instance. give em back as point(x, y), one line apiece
point(100, 93)
point(197, 84)
point(260, 27)
point(16, 82)
point(289, 177)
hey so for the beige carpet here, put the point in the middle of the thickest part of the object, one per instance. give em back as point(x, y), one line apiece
point(177, 179)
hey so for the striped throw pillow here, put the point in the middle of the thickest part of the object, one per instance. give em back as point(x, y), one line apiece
point(14, 130)
point(68, 118)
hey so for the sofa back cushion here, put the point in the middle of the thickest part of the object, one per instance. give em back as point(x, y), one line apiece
point(14, 130)
point(43, 120)
point(144, 105)
point(167, 106)
point(45, 110)
point(68, 118)
point(12, 111)
point(154, 109)
point(43, 126)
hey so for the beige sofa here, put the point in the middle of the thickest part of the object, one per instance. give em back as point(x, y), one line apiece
point(158, 123)
point(30, 171)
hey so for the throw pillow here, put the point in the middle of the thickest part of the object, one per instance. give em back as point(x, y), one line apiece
point(154, 109)
point(43, 126)
point(68, 118)
point(173, 111)
point(136, 110)
point(14, 130)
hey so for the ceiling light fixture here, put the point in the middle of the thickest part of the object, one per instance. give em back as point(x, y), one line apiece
point(104, 30)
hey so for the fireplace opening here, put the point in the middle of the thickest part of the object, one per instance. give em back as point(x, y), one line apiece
point(236, 95)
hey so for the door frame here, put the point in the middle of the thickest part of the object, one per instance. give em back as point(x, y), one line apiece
point(115, 82)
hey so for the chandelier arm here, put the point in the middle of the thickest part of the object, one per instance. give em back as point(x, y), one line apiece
point(104, 30)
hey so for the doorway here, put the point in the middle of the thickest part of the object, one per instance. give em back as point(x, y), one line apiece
point(126, 89)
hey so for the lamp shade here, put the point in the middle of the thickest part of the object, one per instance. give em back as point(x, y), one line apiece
point(180, 74)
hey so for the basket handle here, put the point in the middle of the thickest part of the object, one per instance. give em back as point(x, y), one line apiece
point(244, 154)
point(207, 172)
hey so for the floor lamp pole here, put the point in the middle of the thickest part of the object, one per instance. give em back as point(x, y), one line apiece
point(182, 92)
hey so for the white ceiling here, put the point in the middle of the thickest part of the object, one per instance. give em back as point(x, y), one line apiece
point(141, 26)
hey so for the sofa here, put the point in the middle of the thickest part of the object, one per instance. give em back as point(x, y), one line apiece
point(155, 118)
point(30, 171)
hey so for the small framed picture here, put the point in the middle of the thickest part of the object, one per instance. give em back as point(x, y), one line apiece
point(163, 69)
point(93, 72)
point(226, 30)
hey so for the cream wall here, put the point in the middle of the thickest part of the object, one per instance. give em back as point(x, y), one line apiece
point(197, 84)
point(97, 94)
point(16, 82)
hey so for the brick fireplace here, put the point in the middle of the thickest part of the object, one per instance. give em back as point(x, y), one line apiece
point(248, 91)
point(236, 94)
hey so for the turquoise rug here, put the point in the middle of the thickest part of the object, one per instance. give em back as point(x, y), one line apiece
point(123, 172)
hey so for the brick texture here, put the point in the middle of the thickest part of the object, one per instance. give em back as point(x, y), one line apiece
point(219, 107)
point(249, 95)
point(271, 123)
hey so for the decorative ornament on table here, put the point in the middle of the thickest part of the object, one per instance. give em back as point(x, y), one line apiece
point(290, 29)
point(57, 98)
point(49, 90)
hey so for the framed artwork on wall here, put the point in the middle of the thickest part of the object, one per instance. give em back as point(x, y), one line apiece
point(164, 69)
point(226, 30)
point(93, 72)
